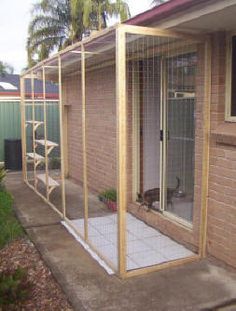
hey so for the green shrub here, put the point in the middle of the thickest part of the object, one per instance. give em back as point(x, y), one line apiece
point(2, 176)
point(14, 287)
point(9, 231)
point(10, 228)
point(6, 202)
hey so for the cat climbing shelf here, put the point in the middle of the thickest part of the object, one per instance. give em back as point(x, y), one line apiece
point(38, 152)
point(35, 124)
point(48, 181)
point(49, 145)
point(36, 157)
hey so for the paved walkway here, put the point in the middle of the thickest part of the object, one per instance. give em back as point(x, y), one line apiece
point(197, 286)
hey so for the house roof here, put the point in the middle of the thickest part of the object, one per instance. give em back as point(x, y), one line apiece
point(10, 87)
point(193, 16)
point(162, 11)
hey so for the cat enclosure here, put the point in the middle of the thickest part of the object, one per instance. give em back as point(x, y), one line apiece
point(127, 172)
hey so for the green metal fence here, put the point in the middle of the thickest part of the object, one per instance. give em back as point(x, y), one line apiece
point(10, 122)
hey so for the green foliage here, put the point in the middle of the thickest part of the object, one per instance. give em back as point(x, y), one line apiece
point(6, 202)
point(59, 23)
point(10, 228)
point(5, 68)
point(2, 176)
point(109, 194)
point(14, 287)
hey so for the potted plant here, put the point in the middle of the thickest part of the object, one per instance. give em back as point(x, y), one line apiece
point(109, 197)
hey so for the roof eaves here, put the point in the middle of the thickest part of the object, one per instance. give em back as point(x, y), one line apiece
point(162, 11)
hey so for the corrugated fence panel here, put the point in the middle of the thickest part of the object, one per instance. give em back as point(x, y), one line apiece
point(10, 123)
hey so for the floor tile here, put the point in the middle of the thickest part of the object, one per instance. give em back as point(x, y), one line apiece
point(145, 245)
point(160, 242)
point(150, 258)
point(106, 229)
point(137, 246)
point(112, 237)
point(98, 240)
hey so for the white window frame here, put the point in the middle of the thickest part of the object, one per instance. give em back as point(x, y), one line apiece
point(228, 80)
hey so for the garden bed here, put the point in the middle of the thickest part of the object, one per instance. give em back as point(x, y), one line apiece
point(44, 292)
point(26, 283)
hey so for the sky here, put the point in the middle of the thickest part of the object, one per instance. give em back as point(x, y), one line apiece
point(14, 20)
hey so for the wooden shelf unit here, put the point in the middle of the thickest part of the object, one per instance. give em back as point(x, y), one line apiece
point(48, 181)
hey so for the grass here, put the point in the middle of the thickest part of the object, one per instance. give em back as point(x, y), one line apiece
point(10, 228)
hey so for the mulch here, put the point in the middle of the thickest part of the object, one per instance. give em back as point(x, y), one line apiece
point(45, 293)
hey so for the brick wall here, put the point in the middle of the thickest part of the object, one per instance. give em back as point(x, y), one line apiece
point(221, 231)
point(101, 128)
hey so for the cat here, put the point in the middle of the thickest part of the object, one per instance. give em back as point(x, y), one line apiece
point(153, 195)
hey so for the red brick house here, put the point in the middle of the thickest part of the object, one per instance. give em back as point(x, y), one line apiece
point(216, 18)
point(180, 120)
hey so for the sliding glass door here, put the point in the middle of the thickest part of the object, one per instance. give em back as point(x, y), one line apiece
point(166, 93)
point(179, 126)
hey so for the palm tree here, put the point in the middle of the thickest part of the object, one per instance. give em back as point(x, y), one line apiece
point(5, 69)
point(49, 28)
point(97, 12)
point(59, 23)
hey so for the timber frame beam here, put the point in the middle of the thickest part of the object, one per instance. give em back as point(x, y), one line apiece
point(127, 29)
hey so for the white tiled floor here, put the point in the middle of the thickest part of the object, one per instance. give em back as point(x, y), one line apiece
point(145, 245)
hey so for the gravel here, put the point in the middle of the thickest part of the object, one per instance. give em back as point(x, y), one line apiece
point(46, 293)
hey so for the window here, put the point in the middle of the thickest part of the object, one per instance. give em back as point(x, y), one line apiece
point(231, 79)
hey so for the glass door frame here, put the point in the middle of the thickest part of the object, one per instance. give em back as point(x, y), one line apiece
point(164, 140)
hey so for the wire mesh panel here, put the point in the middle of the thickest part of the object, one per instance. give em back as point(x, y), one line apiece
point(101, 138)
point(52, 144)
point(27, 127)
point(161, 130)
point(73, 124)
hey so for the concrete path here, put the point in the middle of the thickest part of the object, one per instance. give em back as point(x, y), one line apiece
point(198, 286)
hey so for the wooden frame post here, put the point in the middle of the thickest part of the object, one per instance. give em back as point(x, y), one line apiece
point(23, 128)
point(206, 148)
point(45, 134)
point(121, 103)
point(85, 182)
point(63, 194)
point(65, 131)
point(33, 126)
point(136, 131)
